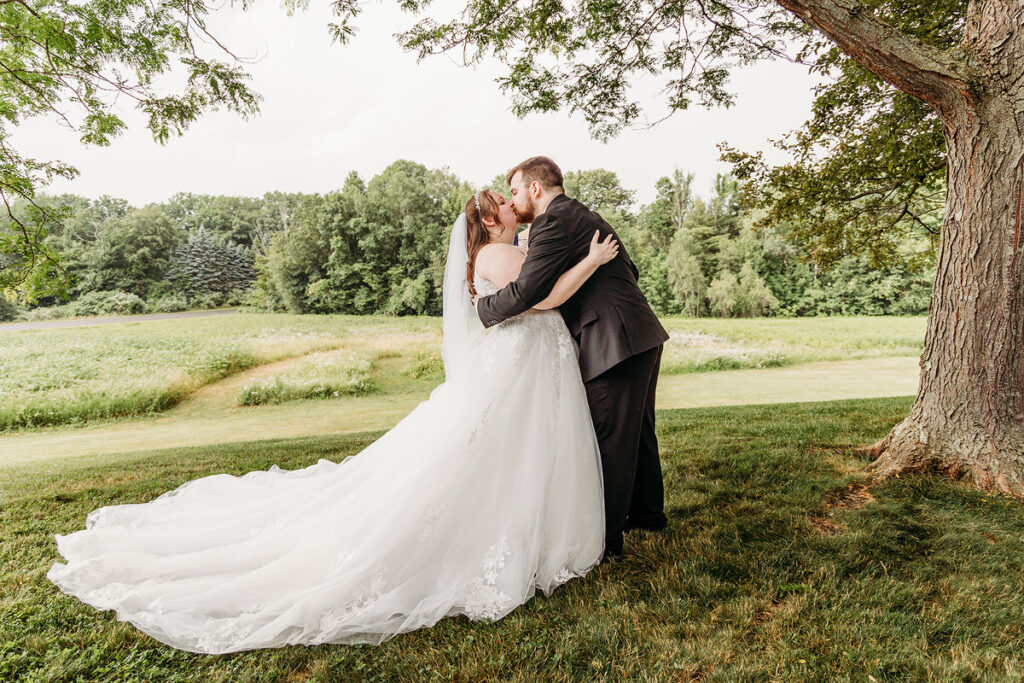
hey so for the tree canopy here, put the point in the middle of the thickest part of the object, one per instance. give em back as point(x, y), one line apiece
point(71, 61)
point(867, 168)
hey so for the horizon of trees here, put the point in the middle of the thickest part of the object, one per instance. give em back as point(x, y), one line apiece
point(379, 245)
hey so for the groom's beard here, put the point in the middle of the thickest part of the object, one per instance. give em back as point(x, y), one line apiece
point(527, 215)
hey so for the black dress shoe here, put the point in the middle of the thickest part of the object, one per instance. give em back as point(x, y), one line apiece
point(647, 527)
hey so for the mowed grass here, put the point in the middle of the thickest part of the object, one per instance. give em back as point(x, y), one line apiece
point(777, 565)
point(79, 375)
point(83, 375)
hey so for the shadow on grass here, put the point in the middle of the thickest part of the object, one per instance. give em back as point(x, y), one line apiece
point(777, 565)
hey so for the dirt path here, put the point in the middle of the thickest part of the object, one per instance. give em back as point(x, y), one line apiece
point(209, 416)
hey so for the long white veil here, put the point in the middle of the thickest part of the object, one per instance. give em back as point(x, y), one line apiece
point(461, 323)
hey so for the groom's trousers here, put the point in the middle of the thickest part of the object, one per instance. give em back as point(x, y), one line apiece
point(622, 405)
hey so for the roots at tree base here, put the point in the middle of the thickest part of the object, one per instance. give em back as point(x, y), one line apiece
point(992, 460)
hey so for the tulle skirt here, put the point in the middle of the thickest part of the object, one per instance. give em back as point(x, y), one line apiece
point(484, 493)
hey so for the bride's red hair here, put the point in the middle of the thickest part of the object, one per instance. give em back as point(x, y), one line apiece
point(476, 232)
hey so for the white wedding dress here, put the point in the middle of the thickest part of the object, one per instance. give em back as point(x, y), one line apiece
point(485, 492)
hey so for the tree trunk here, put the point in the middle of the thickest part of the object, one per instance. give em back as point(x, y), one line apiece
point(968, 419)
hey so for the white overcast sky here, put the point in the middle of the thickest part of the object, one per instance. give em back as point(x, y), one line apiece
point(329, 109)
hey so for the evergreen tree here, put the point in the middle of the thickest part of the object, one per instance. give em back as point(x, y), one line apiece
point(205, 265)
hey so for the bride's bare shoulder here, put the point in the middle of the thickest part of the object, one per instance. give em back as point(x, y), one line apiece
point(498, 251)
point(499, 263)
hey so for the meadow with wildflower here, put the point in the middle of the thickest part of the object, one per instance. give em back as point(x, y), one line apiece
point(710, 344)
point(79, 375)
point(320, 375)
point(82, 375)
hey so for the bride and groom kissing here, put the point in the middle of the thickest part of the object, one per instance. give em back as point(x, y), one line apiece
point(521, 471)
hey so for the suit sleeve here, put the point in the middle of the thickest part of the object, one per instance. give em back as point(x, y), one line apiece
point(546, 260)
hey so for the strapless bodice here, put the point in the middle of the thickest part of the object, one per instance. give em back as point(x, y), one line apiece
point(484, 287)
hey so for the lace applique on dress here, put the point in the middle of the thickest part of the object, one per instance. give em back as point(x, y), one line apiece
point(224, 636)
point(483, 599)
point(109, 596)
point(341, 563)
point(336, 618)
point(566, 347)
point(563, 575)
point(426, 527)
point(257, 608)
point(474, 436)
point(484, 287)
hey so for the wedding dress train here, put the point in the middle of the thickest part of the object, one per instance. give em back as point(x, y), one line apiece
point(485, 492)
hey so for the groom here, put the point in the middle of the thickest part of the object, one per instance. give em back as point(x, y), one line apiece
point(619, 337)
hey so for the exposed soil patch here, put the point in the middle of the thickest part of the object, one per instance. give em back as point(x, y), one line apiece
point(854, 496)
point(778, 604)
point(826, 526)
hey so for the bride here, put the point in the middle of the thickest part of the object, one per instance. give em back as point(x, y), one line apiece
point(485, 492)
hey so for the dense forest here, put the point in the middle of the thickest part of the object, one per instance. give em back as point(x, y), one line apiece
point(378, 246)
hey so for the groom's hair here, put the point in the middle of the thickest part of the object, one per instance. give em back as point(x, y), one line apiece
point(542, 169)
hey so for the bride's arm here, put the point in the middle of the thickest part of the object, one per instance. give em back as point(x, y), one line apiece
point(572, 279)
point(500, 263)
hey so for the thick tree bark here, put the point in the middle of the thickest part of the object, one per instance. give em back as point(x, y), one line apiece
point(968, 419)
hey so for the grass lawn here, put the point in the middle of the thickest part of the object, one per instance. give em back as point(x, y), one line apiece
point(777, 565)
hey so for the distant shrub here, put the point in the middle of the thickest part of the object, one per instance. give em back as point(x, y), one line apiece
point(99, 303)
point(9, 310)
point(211, 300)
point(322, 376)
point(49, 313)
point(697, 352)
point(169, 303)
point(426, 365)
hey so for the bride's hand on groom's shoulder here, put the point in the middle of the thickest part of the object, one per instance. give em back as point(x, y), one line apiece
point(602, 252)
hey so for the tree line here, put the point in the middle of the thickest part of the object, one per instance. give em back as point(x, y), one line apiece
point(379, 246)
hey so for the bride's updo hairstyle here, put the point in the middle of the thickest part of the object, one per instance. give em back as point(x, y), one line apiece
point(476, 232)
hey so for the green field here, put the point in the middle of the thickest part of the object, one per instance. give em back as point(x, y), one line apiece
point(777, 565)
point(708, 344)
point(82, 375)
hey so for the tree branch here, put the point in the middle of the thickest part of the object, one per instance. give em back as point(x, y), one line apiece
point(928, 73)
